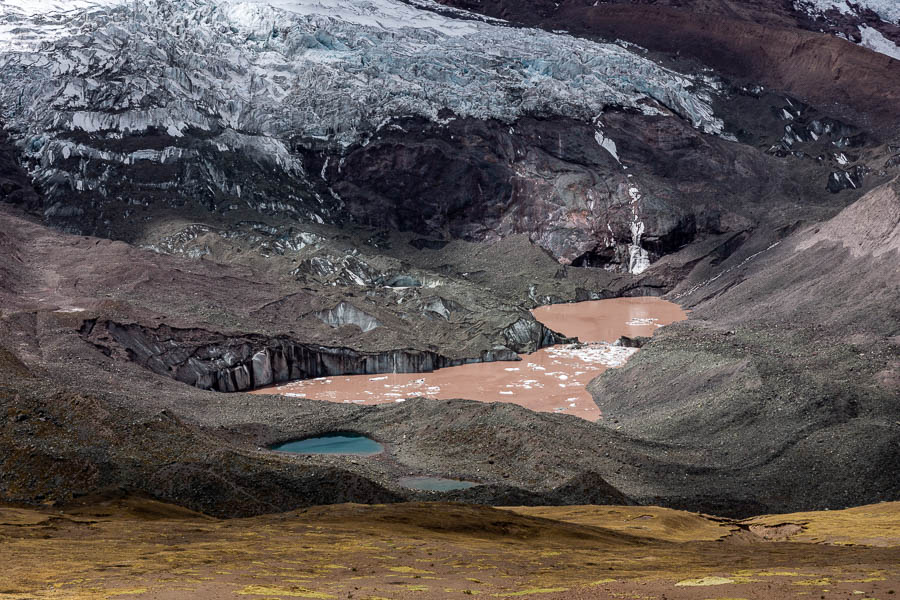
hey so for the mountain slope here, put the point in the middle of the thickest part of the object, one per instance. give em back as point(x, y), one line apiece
point(774, 43)
point(797, 349)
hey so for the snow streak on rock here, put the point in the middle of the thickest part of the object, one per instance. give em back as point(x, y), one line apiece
point(607, 144)
point(638, 258)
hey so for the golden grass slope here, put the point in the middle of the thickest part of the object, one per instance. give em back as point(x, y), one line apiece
point(141, 549)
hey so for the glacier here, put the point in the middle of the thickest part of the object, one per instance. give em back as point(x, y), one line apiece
point(334, 70)
point(205, 83)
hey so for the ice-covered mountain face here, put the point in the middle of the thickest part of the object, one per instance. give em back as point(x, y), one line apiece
point(328, 69)
point(867, 20)
point(220, 105)
point(887, 10)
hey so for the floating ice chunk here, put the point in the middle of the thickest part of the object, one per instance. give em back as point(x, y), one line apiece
point(639, 321)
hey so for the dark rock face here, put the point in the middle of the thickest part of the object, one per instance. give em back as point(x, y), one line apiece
point(15, 185)
point(551, 180)
point(215, 361)
point(628, 342)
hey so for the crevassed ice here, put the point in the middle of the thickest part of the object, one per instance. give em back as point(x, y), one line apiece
point(334, 70)
point(48, 7)
point(373, 13)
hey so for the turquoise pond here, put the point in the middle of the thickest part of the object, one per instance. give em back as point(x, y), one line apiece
point(436, 484)
point(332, 443)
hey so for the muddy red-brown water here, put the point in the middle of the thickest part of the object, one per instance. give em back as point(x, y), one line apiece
point(553, 379)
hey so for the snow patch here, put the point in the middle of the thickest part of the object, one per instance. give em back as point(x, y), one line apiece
point(607, 144)
point(875, 40)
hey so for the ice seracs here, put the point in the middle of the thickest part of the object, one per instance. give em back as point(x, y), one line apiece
point(333, 70)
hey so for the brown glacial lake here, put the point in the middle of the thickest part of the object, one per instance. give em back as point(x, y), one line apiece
point(553, 379)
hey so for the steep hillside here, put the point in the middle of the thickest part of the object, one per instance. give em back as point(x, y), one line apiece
point(797, 349)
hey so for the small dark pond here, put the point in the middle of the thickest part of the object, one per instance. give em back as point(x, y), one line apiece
point(436, 484)
point(332, 443)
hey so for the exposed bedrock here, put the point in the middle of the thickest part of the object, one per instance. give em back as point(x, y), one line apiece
point(577, 189)
point(233, 363)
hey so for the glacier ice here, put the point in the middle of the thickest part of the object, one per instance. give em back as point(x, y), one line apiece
point(264, 79)
point(333, 70)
